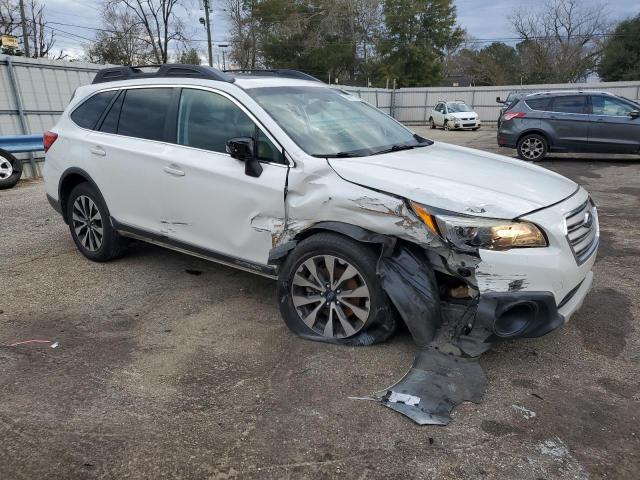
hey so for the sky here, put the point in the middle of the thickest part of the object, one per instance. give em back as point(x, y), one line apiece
point(483, 19)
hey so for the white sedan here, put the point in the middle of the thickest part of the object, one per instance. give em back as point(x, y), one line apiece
point(454, 116)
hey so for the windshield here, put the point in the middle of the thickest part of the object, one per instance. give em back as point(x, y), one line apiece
point(328, 123)
point(458, 107)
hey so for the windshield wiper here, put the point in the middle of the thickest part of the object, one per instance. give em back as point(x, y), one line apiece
point(335, 155)
point(397, 148)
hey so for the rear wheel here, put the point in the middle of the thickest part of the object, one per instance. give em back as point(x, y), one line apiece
point(532, 147)
point(432, 124)
point(10, 170)
point(90, 227)
point(328, 291)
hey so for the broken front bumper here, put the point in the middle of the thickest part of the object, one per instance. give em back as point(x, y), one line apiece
point(528, 314)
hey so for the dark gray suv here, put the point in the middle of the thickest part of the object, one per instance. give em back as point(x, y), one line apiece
point(570, 121)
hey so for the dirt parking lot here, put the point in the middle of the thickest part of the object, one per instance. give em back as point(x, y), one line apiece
point(172, 367)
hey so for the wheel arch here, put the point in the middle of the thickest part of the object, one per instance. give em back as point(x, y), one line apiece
point(535, 131)
point(71, 178)
point(279, 254)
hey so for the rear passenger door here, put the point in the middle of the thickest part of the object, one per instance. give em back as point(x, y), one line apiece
point(129, 151)
point(612, 128)
point(568, 120)
point(213, 206)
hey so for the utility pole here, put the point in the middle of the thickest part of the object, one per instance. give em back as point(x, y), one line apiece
point(224, 61)
point(25, 37)
point(207, 24)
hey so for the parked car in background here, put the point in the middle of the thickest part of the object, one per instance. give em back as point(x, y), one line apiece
point(511, 97)
point(10, 170)
point(454, 116)
point(570, 121)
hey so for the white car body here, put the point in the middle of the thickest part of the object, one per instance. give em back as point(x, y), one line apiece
point(202, 203)
point(444, 115)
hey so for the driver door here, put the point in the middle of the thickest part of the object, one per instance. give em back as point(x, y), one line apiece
point(612, 128)
point(214, 207)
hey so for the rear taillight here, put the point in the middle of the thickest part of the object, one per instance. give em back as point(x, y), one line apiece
point(511, 115)
point(48, 139)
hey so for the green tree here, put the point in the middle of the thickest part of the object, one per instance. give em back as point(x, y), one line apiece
point(415, 37)
point(621, 54)
point(190, 57)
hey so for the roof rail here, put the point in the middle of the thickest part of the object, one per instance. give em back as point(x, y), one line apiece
point(276, 72)
point(173, 70)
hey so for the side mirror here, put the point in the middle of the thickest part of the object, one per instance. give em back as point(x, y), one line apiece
point(242, 148)
point(498, 100)
point(634, 113)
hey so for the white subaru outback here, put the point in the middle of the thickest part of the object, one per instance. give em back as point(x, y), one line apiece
point(361, 221)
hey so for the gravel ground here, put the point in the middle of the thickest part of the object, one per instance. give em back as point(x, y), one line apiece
point(161, 373)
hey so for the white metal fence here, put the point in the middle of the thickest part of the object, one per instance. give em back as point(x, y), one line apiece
point(413, 105)
point(34, 92)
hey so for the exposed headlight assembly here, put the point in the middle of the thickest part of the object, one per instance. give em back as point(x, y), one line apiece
point(468, 233)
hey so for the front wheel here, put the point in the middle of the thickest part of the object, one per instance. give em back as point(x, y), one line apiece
point(532, 147)
point(328, 291)
point(446, 125)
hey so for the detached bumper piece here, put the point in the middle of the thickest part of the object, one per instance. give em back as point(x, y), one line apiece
point(435, 384)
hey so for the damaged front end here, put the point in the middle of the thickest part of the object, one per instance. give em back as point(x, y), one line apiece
point(430, 267)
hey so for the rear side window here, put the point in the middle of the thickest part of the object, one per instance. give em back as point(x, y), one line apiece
point(143, 113)
point(570, 104)
point(88, 114)
point(538, 103)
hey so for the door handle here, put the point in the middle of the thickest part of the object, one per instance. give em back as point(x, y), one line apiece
point(174, 171)
point(98, 151)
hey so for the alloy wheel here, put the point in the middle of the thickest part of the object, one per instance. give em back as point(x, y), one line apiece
point(87, 223)
point(331, 296)
point(6, 169)
point(532, 148)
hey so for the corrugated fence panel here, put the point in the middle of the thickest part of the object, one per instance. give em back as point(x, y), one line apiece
point(45, 87)
point(413, 105)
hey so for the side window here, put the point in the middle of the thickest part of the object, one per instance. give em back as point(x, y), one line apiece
point(110, 122)
point(538, 103)
point(143, 112)
point(610, 106)
point(88, 114)
point(208, 120)
point(570, 104)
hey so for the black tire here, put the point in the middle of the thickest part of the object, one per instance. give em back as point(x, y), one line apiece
point(381, 320)
point(532, 147)
point(445, 125)
point(475, 128)
point(111, 244)
point(10, 170)
point(432, 124)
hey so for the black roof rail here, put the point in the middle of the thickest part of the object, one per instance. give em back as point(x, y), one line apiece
point(172, 70)
point(276, 72)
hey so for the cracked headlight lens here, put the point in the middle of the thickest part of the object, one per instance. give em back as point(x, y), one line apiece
point(469, 233)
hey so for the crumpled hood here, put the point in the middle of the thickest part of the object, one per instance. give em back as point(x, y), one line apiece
point(459, 179)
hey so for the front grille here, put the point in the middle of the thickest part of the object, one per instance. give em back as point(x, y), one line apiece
point(583, 231)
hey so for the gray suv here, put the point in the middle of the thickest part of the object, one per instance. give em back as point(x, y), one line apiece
point(570, 121)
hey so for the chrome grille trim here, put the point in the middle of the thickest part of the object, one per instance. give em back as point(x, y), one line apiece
point(583, 231)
